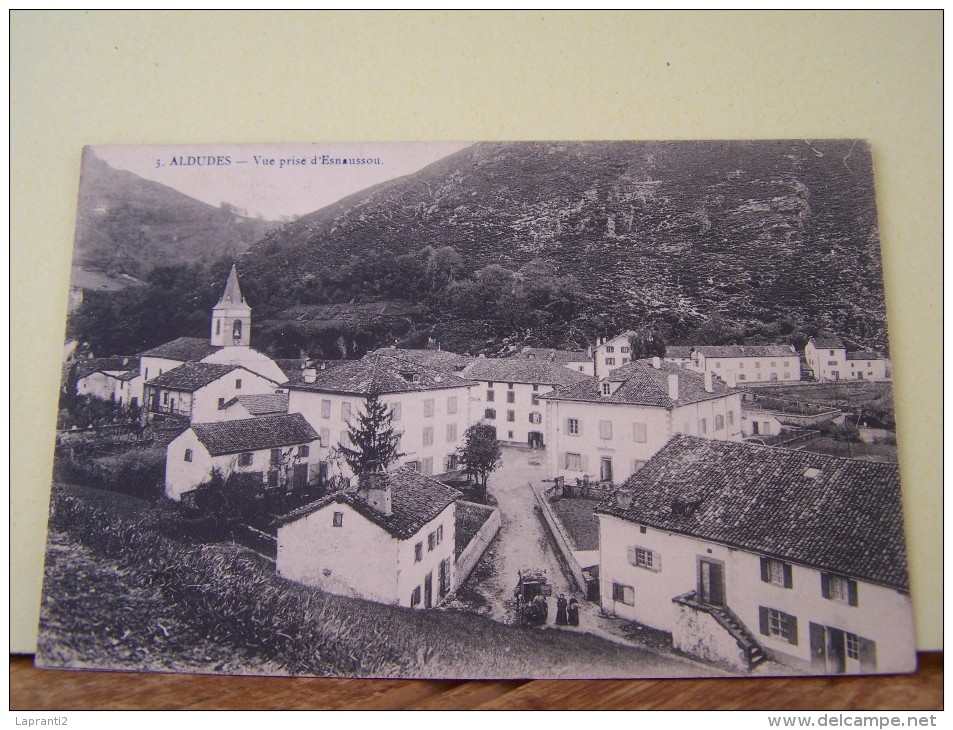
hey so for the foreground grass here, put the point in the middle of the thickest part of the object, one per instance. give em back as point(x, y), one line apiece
point(222, 608)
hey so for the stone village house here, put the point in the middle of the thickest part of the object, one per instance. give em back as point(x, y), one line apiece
point(198, 391)
point(830, 360)
point(744, 552)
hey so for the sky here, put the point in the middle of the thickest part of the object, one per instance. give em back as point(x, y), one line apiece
point(275, 180)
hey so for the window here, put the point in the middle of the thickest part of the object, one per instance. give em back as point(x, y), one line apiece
point(415, 597)
point(415, 465)
point(450, 463)
point(510, 396)
point(418, 552)
point(839, 588)
point(246, 458)
point(573, 426)
point(703, 426)
point(719, 422)
point(610, 361)
point(535, 417)
point(431, 541)
point(757, 364)
point(623, 594)
point(338, 519)
point(188, 454)
point(787, 364)
point(778, 624)
point(536, 385)
point(426, 466)
point(832, 362)
point(490, 396)
point(776, 572)
point(451, 404)
point(325, 409)
point(535, 399)
point(610, 348)
point(276, 456)
point(639, 434)
point(605, 430)
point(741, 376)
point(831, 352)
point(773, 364)
point(218, 326)
point(428, 408)
point(344, 438)
point(510, 386)
point(606, 389)
point(326, 436)
point(853, 646)
point(428, 436)
point(221, 403)
point(625, 360)
point(165, 397)
point(573, 462)
point(345, 412)
point(238, 383)
point(396, 411)
point(643, 558)
point(451, 432)
point(439, 534)
point(624, 349)
point(741, 365)
point(511, 416)
point(489, 413)
point(304, 450)
point(147, 373)
point(731, 418)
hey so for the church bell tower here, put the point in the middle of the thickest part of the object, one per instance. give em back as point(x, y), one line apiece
point(231, 317)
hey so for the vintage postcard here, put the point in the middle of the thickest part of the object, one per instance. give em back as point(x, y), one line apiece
point(489, 410)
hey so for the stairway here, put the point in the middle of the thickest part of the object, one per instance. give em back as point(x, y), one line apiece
point(727, 619)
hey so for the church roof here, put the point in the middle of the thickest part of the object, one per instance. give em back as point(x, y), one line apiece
point(183, 349)
point(232, 296)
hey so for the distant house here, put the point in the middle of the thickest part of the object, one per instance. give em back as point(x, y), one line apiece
point(743, 364)
point(679, 354)
point(757, 420)
point(228, 344)
point(110, 378)
point(577, 360)
point(508, 396)
point(390, 541)
point(831, 361)
point(606, 429)
point(610, 354)
point(431, 407)
point(445, 360)
point(284, 450)
point(198, 391)
point(249, 406)
point(744, 552)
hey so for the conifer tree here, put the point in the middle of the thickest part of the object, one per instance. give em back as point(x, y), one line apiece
point(372, 437)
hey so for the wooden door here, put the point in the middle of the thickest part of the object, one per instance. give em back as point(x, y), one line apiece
point(711, 583)
point(605, 470)
point(818, 648)
point(428, 591)
point(443, 577)
point(300, 478)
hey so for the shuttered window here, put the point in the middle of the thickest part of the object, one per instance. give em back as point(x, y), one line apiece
point(778, 624)
point(776, 572)
point(639, 434)
point(839, 588)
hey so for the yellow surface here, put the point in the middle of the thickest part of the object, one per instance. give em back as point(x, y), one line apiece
point(176, 77)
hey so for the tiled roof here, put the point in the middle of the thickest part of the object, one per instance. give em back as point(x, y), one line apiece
point(120, 363)
point(380, 373)
point(184, 349)
point(827, 343)
point(560, 357)
point(679, 351)
point(415, 500)
point(439, 359)
point(124, 375)
point(521, 370)
point(262, 405)
point(254, 434)
point(825, 512)
point(191, 376)
point(643, 384)
point(746, 350)
point(863, 355)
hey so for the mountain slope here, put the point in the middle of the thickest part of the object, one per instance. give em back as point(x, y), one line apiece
point(126, 224)
point(660, 233)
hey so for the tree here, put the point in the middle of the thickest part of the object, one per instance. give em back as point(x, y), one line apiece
point(481, 453)
point(646, 344)
point(373, 437)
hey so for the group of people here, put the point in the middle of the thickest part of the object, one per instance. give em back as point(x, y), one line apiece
point(567, 613)
point(536, 611)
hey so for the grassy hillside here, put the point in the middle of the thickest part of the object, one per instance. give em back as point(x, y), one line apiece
point(122, 592)
point(127, 225)
point(772, 235)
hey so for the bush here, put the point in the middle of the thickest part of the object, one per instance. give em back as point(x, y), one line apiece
point(138, 472)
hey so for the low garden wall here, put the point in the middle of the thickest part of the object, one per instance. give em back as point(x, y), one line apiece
point(474, 550)
point(561, 537)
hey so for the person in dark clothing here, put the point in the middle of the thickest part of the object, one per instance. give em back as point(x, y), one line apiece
point(572, 612)
point(561, 619)
point(543, 607)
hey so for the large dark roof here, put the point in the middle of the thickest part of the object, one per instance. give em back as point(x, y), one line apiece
point(521, 370)
point(380, 373)
point(262, 404)
point(191, 376)
point(863, 355)
point(254, 434)
point(415, 500)
point(644, 385)
point(679, 351)
point(845, 517)
point(439, 359)
point(121, 363)
point(827, 343)
point(184, 349)
point(746, 350)
point(560, 357)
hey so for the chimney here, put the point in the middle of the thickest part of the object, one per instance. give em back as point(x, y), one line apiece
point(376, 491)
point(309, 372)
point(673, 386)
point(709, 385)
point(656, 362)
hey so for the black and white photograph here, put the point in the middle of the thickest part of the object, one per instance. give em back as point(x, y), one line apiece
point(488, 410)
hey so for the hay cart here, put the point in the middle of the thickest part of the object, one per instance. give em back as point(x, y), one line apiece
point(532, 590)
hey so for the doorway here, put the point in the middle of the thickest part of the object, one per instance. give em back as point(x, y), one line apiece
point(428, 591)
point(605, 469)
point(836, 651)
point(711, 582)
point(535, 440)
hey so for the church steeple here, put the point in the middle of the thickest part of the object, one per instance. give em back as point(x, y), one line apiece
point(231, 317)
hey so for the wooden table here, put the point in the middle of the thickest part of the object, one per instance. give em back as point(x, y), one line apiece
point(34, 689)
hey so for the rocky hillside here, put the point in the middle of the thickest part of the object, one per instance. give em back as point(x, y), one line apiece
point(128, 225)
point(665, 234)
